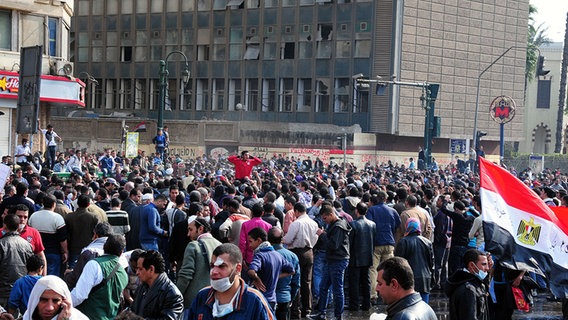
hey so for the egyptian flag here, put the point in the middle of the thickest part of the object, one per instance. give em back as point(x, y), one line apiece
point(141, 127)
point(520, 230)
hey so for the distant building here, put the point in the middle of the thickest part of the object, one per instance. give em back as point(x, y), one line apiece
point(25, 23)
point(294, 61)
point(542, 106)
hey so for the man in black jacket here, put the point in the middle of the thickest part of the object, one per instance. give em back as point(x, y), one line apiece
point(467, 290)
point(361, 244)
point(337, 257)
point(395, 285)
point(462, 223)
point(157, 296)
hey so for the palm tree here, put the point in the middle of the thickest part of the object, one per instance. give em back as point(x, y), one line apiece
point(562, 95)
point(536, 37)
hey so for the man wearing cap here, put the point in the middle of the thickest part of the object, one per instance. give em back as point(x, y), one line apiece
point(150, 230)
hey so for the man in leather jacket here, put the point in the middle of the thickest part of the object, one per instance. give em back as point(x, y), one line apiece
point(395, 285)
point(157, 296)
point(467, 288)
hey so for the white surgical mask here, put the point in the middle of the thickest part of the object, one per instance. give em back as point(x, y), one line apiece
point(21, 227)
point(222, 284)
point(480, 274)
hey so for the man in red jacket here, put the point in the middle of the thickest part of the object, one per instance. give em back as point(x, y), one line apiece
point(244, 164)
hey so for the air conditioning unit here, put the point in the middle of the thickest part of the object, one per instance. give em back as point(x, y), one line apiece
point(62, 68)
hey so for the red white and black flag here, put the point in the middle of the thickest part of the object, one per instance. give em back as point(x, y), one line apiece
point(141, 127)
point(520, 230)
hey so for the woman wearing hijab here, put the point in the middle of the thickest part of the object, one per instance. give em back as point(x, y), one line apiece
point(50, 299)
point(420, 255)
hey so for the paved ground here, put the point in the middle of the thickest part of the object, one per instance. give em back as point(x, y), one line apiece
point(542, 309)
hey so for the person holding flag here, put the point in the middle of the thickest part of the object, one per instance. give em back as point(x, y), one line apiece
point(521, 231)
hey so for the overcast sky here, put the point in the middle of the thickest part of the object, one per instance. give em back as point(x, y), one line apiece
point(553, 14)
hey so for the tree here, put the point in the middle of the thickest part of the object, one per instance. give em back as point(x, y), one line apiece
point(562, 94)
point(536, 37)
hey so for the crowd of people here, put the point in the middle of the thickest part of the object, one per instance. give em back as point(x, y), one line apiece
point(246, 238)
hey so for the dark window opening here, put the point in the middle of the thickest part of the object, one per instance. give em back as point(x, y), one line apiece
point(126, 55)
point(289, 49)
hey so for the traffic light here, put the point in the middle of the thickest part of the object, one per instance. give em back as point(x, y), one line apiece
point(381, 88)
point(478, 137)
point(540, 67)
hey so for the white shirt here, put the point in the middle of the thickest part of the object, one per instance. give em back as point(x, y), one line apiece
point(52, 142)
point(74, 161)
point(91, 276)
point(20, 149)
point(302, 233)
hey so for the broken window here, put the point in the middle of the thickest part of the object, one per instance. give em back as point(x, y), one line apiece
point(286, 94)
point(304, 103)
point(322, 95)
point(268, 94)
point(288, 50)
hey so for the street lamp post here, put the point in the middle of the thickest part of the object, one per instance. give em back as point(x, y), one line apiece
point(475, 141)
point(164, 84)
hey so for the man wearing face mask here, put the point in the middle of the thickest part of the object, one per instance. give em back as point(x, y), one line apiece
point(22, 153)
point(229, 297)
point(193, 272)
point(467, 288)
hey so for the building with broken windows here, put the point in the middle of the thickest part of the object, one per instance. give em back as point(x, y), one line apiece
point(281, 73)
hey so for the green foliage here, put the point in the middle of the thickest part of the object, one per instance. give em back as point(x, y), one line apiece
point(535, 38)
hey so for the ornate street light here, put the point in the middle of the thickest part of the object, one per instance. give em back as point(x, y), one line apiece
point(164, 83)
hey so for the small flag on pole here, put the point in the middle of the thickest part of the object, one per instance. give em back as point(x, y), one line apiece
point(141, 127)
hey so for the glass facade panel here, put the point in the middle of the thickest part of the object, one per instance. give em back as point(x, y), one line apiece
point(157, 6)
point(268, 95)
point(322, 94)
point(34, 31)
point(111, 54)
point(305, 50)
point(343, 49)
point(141, 54)
point(218, 102)
point(98, 54)
point(112, 6)
point(98, 8)
point(142, 6)
point(173, 5)
point(286, 94)
point(269, 51)
point(235, 94)
point(362, 48)
point(304, 103)
point(187, 96)
point(236, 52)
point(84, 8)
point(341, 97)
point(127, 6)
point(219, 52)
point(52, 45)
point(141, 37)
point(202, 95)
point(83, 55)
point(252, 95)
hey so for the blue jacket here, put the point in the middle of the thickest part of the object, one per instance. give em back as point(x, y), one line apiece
point(268, 264)
point(249, 304)
point(386, 220)
point(150, 224)
point(287, 287)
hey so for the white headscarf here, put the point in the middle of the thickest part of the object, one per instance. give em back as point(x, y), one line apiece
point(51, 283)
